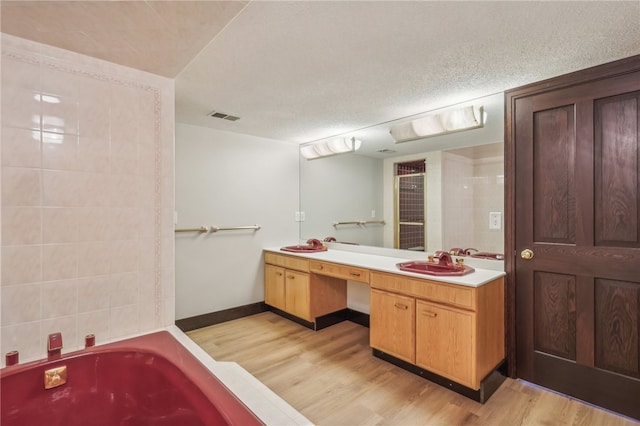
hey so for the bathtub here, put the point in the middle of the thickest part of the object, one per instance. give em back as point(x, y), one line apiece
point(148, 380)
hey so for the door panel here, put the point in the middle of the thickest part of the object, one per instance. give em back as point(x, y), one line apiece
point(555, 314)
point(553, 183)
point(616, 171)
point(577, 208)
point(617, 326)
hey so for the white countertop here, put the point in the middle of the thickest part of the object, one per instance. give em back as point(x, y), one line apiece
point(388, 264)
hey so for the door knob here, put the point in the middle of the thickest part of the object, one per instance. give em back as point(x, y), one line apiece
point(526, 254)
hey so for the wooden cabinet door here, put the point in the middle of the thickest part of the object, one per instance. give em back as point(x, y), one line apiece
point(445, 341)
point(392, 324)
point(274, 289)
point(297, 294)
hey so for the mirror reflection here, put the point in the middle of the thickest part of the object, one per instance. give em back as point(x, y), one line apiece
point(439, 193)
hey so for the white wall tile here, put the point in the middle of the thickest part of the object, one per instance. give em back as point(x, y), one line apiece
point(59, 298)
point(59, 225)
point(21, 147)
point(123, 321)
point(21, 187)
point(20, 303)
point(59, 261)
point(21, 264)
point(21, 225)
point(94, 293)
point(81, 201)
point(21, 108)
point(59, 151)
point(124, 289)
point(93, 258)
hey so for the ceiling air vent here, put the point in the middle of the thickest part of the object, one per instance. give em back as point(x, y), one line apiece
point(385, 151)
point(223, 116)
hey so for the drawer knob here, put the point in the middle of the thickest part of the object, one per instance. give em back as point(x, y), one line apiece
point(291, 277)
point(354, 274)
point(429, 314)
point(401, 306)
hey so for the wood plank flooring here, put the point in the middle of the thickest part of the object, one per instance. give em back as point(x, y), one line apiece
point(332, 378)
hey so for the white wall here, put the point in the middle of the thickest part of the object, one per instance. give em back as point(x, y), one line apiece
point(342, 188)
point(489, 197)
point(87, 199)
point(229, 179)
point(458, 202)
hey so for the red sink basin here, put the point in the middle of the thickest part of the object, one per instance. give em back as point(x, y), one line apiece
point(431, 268)
point(303, 249)
point(484, 255)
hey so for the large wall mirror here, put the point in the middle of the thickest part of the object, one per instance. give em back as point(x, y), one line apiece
point(358, 198)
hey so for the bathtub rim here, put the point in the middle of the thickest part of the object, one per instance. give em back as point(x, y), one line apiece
point(262, 402)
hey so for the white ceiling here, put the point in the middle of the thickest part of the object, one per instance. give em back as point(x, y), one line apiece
point(306, 70)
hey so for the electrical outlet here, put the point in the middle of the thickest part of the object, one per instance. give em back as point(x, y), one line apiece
point(373, 214)
point(299, 216)
point(495, 220)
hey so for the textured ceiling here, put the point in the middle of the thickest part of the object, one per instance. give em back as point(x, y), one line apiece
point(307, 70)
point(161, 37)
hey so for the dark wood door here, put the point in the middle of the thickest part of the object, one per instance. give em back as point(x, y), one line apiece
point(577, 211)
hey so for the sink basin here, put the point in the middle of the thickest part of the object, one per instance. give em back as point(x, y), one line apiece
point(485, 255)
point(300, 248)
point(431, 268)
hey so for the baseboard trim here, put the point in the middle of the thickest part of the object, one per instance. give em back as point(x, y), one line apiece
point(327, 320)
point(358, 317)
point(488, 386)
point(212, 318)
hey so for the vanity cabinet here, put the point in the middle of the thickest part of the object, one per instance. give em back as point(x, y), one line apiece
point(454, 331)
point(392, 328)
point(290, 287)
point(274, 286)
point(340, 271)
point(444, 341)
point(296, 290)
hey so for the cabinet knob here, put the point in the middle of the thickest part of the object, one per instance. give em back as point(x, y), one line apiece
point(279, 274)
point(429, 314)
point(401, 306)
point(291, 277)
point(354, 274)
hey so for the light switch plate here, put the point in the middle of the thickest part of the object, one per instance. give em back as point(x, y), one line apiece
point(495, 220)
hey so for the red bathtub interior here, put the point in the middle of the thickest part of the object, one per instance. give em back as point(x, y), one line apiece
point(146, 381)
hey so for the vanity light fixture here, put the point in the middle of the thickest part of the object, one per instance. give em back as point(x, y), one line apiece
point(329, 147)
point(455, 120)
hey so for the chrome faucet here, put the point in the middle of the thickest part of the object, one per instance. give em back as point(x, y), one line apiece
point(443, 257)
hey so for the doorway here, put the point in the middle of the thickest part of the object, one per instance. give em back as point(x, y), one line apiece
point(573, 163)
point(410, 198)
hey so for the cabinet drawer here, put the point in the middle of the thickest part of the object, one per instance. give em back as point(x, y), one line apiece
point(339, 271)
point(454, 295)
point(289, 262)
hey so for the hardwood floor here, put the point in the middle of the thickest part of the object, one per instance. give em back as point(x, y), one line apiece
point(331, 377)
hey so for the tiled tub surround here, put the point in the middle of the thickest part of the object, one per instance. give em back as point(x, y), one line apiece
point(87, 198)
